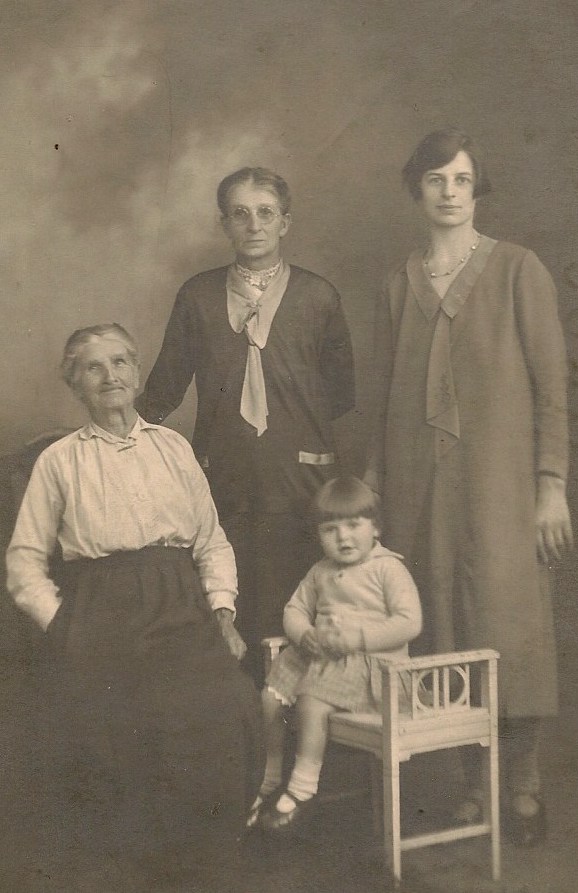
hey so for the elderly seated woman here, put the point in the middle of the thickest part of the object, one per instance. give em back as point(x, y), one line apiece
point(144, 679)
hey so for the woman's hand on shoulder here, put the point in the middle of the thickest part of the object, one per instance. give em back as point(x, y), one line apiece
point(234, 641)
point(553, 526)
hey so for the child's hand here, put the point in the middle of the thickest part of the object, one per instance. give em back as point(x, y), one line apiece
point(333, 645)
point(338, 641)
point(310, 644)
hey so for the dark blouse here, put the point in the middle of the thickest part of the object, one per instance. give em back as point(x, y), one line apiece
point(309, 379)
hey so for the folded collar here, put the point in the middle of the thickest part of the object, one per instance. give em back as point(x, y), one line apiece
point(378, 551)
point(460, 289)
point(91, 430)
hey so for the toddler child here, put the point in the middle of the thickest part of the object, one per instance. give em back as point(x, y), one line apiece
point(358, 604)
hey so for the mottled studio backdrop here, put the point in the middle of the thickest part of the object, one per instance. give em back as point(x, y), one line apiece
point(120, 118)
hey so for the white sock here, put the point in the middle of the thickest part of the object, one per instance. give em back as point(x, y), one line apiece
point(273, 774)
point(271, 781)
point(303, 783)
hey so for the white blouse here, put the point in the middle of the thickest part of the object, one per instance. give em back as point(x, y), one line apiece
point(96, 493)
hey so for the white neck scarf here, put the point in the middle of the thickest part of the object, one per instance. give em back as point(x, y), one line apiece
point(253, 312)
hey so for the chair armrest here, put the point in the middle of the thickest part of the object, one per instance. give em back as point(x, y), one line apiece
point(271, 647)
point(439, 683)
point(440, 660)
point(274, 642)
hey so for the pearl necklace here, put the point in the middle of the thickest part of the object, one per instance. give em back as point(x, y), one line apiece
point(461, 261)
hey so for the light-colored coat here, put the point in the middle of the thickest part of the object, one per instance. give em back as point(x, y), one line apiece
point(466, 523)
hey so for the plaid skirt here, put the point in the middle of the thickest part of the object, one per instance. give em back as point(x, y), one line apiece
point(351, 683)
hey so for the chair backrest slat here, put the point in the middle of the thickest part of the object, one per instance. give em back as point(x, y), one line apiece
point(440, 689)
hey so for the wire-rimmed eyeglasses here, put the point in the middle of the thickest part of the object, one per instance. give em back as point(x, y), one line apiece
point(265, 214)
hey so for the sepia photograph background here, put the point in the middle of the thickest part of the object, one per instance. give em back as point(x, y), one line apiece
point(119, 119)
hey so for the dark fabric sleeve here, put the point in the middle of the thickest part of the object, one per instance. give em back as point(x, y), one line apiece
point(336, 362)
point(381, 379)
point(545, 351)
point(175, 366)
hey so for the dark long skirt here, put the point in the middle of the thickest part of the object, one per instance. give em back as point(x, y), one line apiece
point(155, 729)
point(273, 553)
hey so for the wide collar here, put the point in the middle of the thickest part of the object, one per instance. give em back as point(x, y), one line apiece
point(460, 289)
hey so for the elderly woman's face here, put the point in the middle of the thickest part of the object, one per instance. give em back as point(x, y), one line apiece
point(255, 225)
point(106, 377)
point(447, 193)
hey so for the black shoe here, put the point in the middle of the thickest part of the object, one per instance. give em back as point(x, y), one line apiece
point(275, 821)
point(526, 831)
point(259, 808)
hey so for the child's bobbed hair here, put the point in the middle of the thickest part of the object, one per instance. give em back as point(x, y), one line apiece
point(346, 497)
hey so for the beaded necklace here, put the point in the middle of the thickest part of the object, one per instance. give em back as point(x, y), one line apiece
point(258, 278)
point(461, 261)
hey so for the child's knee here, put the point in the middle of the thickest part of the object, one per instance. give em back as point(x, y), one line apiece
point(309, 705)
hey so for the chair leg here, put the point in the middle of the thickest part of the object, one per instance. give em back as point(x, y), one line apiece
point(490, 779)
point(392, 820)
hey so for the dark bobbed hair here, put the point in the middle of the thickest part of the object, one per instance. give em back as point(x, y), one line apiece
point(258, 176)
point(80, 337)
point(436, 150)
point(346, 497)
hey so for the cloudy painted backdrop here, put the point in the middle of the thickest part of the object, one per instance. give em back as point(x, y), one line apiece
point(119, 120)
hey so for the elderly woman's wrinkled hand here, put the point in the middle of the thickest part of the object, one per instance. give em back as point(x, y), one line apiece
point(553, 526)
point(234, 641)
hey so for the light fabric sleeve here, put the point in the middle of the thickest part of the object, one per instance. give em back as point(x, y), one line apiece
point(403, 620)
point(33, 543)
point(300, 610)
point(212, 552)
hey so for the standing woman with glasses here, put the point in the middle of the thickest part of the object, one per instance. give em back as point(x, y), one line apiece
point(471, 451)
point(270, 350)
